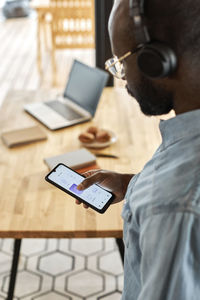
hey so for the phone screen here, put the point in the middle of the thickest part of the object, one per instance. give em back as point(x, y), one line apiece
point(68, 180)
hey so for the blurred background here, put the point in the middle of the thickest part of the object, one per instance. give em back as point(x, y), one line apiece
point(39, 40)
point(23, 25)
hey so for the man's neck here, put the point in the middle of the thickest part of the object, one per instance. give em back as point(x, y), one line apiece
point(186, 100)
point(180, 109)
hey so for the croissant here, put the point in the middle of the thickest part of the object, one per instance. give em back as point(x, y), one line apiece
point(102, 136)
point(86, 137)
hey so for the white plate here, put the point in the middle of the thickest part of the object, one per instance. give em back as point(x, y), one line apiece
point(112, 140)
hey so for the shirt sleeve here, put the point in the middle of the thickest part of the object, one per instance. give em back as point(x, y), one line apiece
point(170, 261)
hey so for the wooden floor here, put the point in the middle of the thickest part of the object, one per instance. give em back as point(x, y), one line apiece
point(18, 53)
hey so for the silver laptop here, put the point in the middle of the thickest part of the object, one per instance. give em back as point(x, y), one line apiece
point(79, 101)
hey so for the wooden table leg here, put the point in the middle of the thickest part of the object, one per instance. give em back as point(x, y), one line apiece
point(17, 245)
point(39, 50)
point(120, 245)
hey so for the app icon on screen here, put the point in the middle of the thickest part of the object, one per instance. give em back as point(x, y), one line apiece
point(73, 188)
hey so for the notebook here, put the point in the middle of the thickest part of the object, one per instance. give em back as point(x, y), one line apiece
point(77, 159)
point(79, 101)
point(22, 136)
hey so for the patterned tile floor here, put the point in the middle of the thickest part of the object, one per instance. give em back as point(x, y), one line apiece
point(58, 269)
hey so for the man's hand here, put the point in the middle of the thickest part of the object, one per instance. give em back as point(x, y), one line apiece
point(111, 181)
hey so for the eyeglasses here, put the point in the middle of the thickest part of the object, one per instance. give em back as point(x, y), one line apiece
point(115, 66)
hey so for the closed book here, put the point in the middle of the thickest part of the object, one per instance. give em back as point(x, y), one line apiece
point(77, 159)
point(13, 138)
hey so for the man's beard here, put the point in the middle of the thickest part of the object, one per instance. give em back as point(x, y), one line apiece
point(153, 101)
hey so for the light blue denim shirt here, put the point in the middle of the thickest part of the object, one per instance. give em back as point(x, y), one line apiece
point(162, 218)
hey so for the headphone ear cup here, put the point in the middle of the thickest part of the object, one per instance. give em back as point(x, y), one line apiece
point(156, 60)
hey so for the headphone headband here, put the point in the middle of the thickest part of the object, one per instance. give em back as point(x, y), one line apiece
point(137, 13)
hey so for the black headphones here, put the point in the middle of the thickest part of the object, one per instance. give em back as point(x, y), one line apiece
point(155, 59)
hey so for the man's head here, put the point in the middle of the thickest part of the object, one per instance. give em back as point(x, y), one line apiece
point(168, 23)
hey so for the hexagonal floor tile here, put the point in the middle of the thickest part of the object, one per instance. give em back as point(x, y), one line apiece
point(86, 246)
point(120, 282)
point(52, 244)
point(85, 283)
point(110, 244)
point(5, 262)
point(7, 245)
point(64, 245)
point(56, 263)
point(112, 296)
point(51, 296)
point(106, 263)
point(32, 246)
point(27, 283)
point(1, 243)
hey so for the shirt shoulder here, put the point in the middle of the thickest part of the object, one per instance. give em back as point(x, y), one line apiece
point(169, 181)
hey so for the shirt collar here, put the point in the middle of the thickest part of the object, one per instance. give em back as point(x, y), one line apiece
point(180, 127)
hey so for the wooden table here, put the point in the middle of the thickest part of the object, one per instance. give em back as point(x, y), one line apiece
point(32, 208)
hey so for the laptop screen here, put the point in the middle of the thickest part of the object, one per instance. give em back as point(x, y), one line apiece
point(85, 85)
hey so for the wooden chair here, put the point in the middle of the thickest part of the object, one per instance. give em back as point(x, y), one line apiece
point(71, 26)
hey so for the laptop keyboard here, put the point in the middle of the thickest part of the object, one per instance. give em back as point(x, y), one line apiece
point(63, 110)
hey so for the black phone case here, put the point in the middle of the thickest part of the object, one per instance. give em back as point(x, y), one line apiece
point(101, 211)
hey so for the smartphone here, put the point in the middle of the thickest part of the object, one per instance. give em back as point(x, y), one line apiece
point(67, 180)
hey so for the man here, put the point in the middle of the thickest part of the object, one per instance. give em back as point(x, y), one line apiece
point(161, 204)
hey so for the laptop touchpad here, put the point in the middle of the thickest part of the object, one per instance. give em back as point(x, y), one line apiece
point(63, 110)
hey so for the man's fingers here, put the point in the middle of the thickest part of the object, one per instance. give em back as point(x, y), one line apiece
point(91, 177)
point(84, 205)
point(90, 173)
point(88, 181)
